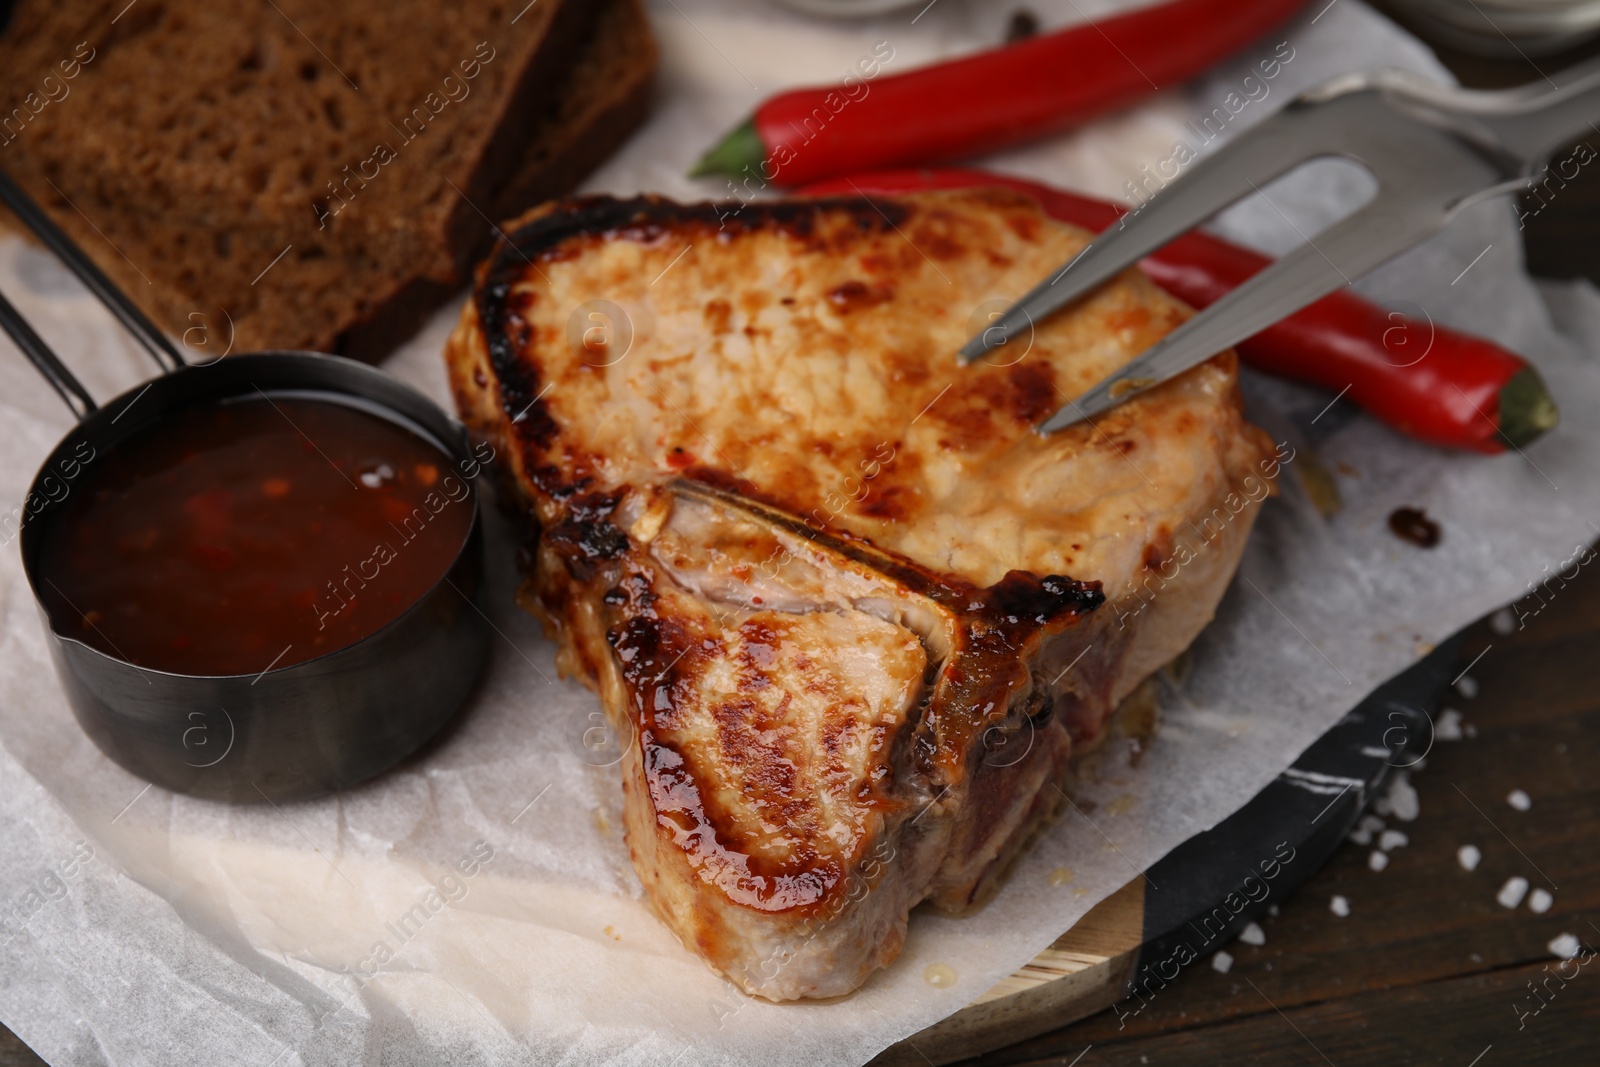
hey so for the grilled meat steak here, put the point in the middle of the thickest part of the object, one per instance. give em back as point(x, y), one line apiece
point(850, 612)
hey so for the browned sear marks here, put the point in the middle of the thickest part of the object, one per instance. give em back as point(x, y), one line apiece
point(855, 295)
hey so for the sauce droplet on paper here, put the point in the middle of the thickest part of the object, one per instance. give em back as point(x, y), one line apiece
point(939, 976)
point(1413, 526)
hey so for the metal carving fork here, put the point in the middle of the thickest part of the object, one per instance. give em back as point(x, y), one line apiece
point(1433, 149)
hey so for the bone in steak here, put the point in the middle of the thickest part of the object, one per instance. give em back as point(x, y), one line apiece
point(850, 613)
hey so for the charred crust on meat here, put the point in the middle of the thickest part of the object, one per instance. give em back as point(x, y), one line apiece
point(1022, 595)
point(554, 482)
point(585, 536)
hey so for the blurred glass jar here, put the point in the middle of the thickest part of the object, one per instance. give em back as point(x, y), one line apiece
point(846, 9)
point(1503, 28)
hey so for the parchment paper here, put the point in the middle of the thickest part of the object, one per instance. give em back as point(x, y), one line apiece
point(143, 927)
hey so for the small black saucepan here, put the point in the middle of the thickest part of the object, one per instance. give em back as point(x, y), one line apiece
point(329, 712)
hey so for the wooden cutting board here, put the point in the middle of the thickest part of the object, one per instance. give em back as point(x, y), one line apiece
point(1196, 898)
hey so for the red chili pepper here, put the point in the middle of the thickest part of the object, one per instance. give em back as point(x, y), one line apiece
point(1435, 384)
point(977, 103)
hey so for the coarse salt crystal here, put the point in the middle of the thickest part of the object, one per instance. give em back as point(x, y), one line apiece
point(1253, 935)
point(1377, 860)
point(1339, 906)
point(1512, 892)
point(1503, 622)
point(1467, 686)
point(1221, 962)
point(1448, 726)
point(1468, 856)
point(1519, 800)
point(1402, 797)
point(1565, 946)
point(1272, 910)
point(1369, 824)
point(1393, 839)
point(1539, 901)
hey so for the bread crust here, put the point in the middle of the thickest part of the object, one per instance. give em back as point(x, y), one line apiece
point(367, 283)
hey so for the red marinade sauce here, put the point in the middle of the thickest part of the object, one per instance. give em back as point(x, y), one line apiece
point(234, 537)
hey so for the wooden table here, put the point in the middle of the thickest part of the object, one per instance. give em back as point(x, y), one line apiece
point(1427, 968)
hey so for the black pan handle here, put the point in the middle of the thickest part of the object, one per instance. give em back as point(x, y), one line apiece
point(144, 331)
point(45, 362)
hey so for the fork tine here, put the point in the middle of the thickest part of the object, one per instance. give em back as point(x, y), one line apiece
point(1256, 156)
point(1387, 226)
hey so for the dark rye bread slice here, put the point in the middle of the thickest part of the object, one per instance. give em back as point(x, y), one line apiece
point(207, 222)
point(605, 99)
point(252, 144)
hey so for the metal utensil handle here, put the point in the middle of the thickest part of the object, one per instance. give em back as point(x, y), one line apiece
point(1534, 124)
point(45, 361)
point(144, 331)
